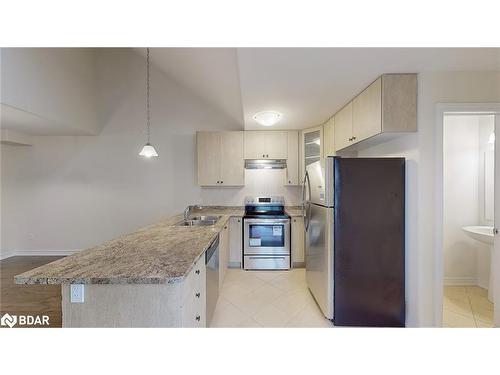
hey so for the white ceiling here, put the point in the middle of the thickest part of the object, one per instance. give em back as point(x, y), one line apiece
point(307, 85)
point(211, 73)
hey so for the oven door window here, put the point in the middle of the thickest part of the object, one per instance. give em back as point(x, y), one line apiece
point(266, 235)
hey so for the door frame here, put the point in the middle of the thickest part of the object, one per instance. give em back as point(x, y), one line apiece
point(443, 109)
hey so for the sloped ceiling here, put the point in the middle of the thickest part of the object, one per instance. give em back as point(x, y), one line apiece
point(307, 85)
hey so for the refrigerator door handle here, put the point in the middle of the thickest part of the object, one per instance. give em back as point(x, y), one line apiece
point(308, 211)
point(304, 199)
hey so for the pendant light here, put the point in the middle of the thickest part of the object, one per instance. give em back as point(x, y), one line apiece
point(148, 150)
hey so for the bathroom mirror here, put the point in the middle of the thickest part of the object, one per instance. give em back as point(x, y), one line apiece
point(488, 184)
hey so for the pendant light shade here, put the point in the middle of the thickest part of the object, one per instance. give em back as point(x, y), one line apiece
point(148, 151)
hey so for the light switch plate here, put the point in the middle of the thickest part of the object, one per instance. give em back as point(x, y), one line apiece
point(77, 293)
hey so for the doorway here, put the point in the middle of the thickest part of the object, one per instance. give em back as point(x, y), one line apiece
point(467, 260)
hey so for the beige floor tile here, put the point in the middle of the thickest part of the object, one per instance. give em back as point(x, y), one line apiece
point(227, 315)
point(267, 299)
point(242, 285)
point(267, 275)
point(309, 317)
point(485, 315)
point(477, 291)
point(453, 320)
point(456, 292)
point(293, 302)
point(251, 303)
point(480, 302)
point(249, 323)
point(458, 306)
point(288, 284)
point(484, 324)
point(232, 292)
point(271, 317)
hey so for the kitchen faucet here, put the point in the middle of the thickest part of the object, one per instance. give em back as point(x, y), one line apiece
point(188, 209)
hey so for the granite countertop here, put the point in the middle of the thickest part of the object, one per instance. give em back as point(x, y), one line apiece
point(157, 254)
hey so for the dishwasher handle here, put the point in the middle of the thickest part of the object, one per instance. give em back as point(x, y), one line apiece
point(212, 249)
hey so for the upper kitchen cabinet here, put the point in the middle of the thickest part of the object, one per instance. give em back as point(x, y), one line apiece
point(266, 144)
point(387, 107)
point(292, 162)
point(220, 158)
point(311, 147)
point(343, 127)
point(329, 137)
point(367, 112)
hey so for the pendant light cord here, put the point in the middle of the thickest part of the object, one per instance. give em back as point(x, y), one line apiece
point(147, 95)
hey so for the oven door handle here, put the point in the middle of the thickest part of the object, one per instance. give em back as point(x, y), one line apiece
point(267, 221)
point(263, 257)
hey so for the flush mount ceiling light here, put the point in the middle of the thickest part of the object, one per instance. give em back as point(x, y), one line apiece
point(492, 138)
point(267, 118)
point(148, 150)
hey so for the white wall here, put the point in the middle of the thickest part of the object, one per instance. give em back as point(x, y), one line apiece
point(56, 85)
point(461, 198)
point(420, 148)
point(73, 192)
point(257, 182)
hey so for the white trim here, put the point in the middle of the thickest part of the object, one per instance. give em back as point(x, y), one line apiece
point(468, 281)
point(34, 252)
point(441, 110)
point(4, 254)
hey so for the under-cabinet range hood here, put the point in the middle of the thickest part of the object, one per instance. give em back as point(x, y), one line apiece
point(265, 164)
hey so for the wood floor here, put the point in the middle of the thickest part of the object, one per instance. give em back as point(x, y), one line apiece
point(29, 299)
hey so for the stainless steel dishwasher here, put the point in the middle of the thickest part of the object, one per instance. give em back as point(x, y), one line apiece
point(212, 278)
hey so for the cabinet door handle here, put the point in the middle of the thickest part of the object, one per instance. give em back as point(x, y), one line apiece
point(222, 182)
point(353, 138)
point(197, 272)
point(198, 317)
point(197, 295)
point(267, 156)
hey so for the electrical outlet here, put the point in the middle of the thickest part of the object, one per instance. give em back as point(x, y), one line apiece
point(77, 293)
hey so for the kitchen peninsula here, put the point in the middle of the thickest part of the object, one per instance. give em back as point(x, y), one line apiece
point(154, 277)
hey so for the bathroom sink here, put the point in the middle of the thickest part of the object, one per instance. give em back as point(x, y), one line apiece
point(480, 233)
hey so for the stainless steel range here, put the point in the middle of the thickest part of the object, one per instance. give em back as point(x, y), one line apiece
point(266, 234)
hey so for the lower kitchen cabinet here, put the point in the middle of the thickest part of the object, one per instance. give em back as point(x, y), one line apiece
point(223, 253)
point(235, 242)
point(297, 241)
point(193, 296)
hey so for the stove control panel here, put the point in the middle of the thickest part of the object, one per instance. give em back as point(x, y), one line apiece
point(267, 200)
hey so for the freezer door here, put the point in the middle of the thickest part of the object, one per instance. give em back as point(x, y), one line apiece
point(319, 257)
point(321, 182)
point(370, 242)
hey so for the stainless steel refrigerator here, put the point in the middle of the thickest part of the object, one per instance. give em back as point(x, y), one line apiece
point(354, 219)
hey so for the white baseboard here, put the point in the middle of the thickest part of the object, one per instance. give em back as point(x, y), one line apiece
point(451, 281)
point(4, 254)
point(32, 252)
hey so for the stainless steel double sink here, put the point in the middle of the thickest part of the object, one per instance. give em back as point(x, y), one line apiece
point(203, 220)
